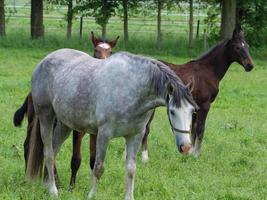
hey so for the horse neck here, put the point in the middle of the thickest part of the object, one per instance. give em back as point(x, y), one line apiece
point(219, 60)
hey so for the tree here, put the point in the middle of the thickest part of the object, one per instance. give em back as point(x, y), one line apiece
point(102, 10)
point(2, 18)
point(125, 20)
point(253, 18)
point(160, 5)
point(69, 15)
point(69, 18)
point(37, 26)
point(228, 18)
point(191, 23)
point(159, 9)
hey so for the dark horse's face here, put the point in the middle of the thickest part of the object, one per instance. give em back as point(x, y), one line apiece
point(102, 48)
point(240, 50)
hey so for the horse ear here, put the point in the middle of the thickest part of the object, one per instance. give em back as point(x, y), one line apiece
point(94, 39)
point(237, 32)
point(191, 85)
point(114, 42)
point(170, 88)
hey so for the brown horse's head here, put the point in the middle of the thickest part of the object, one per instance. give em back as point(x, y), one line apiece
point(103, 48)
point(240, 50)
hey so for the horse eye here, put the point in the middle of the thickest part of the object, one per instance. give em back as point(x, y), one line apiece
point(111, 52)
point(238, 48)
point(172, 112)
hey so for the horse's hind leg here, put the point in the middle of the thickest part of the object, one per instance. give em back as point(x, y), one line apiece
point(60, 134)
point(144, 140)
point(76, 156)
point(46, 117)
point(132, 144)
point(103, 137)
point(92, 150)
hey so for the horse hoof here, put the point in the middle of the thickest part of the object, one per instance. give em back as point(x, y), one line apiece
point(144, 156)
point(194, 152)
point(90, 196)
point(53, 192)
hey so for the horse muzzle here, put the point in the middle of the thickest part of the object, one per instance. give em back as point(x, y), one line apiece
point(248, 65)
point(183, 144)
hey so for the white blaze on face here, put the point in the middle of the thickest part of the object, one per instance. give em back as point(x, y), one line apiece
point(181, 118)
point(104, 45)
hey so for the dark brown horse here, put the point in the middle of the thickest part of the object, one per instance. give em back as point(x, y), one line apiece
point(102, 49)
point(206, 72)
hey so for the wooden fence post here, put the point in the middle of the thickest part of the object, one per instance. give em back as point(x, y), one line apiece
point(81, 26)
point(198, 22)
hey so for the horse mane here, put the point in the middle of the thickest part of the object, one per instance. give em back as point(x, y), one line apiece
point(162, 75)
point(211, 50)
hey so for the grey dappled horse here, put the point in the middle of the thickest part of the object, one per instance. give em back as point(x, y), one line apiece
point(114, 97)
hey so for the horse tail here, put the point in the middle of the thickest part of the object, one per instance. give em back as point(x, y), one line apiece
point(20, 113)
point(35, 155)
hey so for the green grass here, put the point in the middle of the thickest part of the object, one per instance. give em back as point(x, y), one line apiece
point(234, 157)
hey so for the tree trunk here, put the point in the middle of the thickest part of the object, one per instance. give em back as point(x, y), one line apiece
point(37, 26)
point(104, 30)
point(125, 21)
point(191, 23)
point(228, 18)
point(2, 18)
point(69, 19)
point(160, 4)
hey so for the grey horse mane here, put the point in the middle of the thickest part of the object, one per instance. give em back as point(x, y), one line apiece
point(161, 76)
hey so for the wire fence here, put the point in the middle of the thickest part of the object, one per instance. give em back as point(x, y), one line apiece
point(173, 22)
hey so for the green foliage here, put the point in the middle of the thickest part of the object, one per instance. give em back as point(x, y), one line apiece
point(254, 20)
point(102, 10)
point(213, 14)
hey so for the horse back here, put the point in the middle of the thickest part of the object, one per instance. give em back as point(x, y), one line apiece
point(206, 84)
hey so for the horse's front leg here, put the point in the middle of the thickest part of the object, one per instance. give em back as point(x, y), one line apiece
point(144, 140)
point(200, 127)
point(103, 137)
point(132, 144)
point(193, 132)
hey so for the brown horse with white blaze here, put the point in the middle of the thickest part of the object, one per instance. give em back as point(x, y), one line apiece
point(102, 49)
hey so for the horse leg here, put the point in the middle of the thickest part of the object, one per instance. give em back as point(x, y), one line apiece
point(61, 133)
point(46, 118)
point(92, 150)
point(132, 143)
point(200, 127)
point(103, 137)
point(76, 157)
point(144, 140)
point(30, 115)
point(193, 132)
point(27, 143)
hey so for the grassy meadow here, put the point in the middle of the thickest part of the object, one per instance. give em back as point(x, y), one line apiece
point(234, 156)
point(233, 164)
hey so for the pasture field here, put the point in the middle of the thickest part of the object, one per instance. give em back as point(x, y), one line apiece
point(233, 164)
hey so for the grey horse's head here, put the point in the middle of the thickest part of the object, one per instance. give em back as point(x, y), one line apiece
point(179, 101)
point(180, 108)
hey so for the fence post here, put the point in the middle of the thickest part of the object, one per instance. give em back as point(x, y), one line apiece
point(198, 22)
point(205, 39)
point(81, 26)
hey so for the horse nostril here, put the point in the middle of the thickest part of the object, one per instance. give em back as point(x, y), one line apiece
point(249, 67)
point(184, 149)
